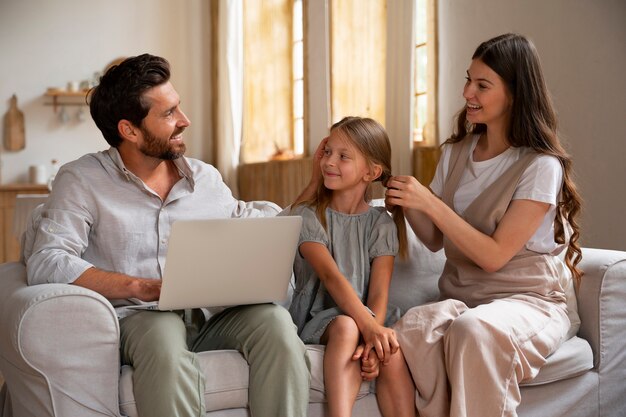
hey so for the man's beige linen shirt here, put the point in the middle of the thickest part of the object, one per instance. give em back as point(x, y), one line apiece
point(101, 215)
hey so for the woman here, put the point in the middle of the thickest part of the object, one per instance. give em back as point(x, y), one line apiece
point(502, 200)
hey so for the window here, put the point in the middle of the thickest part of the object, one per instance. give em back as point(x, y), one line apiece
point(273, 109)
point(424, 72)
point(358, 33)
point(298, 78)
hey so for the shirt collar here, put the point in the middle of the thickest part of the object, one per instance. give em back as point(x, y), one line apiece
point(181, 163)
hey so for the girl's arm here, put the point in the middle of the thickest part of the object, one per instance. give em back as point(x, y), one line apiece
point(378, 296)
point(375, 336)
point(519, 223)
point(378, 291)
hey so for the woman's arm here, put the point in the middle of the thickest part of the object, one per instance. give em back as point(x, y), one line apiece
point(422, 225)
point(519, 223)
point(375, 336)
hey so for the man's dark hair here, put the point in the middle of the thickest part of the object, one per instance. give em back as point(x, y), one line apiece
point(119, 95)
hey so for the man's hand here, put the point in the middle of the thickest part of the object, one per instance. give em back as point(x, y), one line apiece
point(147, 289)
point(113, 285)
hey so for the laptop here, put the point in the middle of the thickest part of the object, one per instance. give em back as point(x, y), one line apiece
point(226, 262)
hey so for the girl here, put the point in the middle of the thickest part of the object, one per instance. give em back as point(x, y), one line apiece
point(343, 270)
point(503, 200)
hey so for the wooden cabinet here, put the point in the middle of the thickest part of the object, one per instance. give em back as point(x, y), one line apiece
point(9, 243)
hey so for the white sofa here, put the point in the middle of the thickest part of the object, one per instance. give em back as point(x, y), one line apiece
point(59, 349)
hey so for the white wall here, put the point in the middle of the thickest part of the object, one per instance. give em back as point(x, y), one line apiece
point(582, 44)
point(48, 43)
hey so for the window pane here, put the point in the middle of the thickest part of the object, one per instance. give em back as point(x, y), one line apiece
point(421, 60)
point(358, 54)
point(420, 21)
point(419, 121)
point(298, 131)
point(268, 56)
point(298, 61)
point(298, 99)
point(297, 20)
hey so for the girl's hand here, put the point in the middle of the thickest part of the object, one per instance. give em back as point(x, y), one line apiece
point(310, 190)
point(317, 157)
point(381, 339)
point(316, 175)
point(407, 192)
point(369, 366)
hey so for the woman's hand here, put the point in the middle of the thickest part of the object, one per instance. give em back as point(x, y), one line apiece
point(369, 366)
point(381, 339)
point(407, 192)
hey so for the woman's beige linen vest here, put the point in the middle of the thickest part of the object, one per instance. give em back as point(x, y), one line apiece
point(528, 274)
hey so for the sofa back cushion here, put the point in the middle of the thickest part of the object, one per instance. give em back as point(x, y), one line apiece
point(414, 280)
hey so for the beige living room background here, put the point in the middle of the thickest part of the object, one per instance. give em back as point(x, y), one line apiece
point(48, 44)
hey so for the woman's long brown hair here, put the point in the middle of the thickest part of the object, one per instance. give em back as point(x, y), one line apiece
point(533, 124)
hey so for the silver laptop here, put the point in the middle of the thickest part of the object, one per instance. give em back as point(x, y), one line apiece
point(225, 262)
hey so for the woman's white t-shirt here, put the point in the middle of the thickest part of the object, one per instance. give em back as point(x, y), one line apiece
point(541, 181)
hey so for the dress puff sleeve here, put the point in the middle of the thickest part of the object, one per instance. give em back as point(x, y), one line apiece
point(384, 237)
point(312, 230)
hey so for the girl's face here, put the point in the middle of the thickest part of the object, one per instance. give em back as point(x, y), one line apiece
point(343, 165)
point(487, 97)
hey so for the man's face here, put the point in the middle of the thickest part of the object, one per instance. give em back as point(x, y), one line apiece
point(162, 129)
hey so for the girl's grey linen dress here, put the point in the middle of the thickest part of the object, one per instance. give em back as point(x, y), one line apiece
point(353, 240)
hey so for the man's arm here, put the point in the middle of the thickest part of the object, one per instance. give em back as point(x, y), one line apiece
point(113, 285)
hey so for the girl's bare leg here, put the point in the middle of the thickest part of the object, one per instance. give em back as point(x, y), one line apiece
point(395, 391)
point(342, 375)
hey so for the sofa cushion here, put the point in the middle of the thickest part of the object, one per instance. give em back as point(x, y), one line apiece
point(226, 375)
point(574, 357)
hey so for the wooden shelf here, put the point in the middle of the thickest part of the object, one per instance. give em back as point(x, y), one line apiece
point(59, 98)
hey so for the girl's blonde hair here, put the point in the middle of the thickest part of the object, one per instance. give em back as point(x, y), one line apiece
point(371, 139)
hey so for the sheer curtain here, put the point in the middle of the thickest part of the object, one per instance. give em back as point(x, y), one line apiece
point(229, 89)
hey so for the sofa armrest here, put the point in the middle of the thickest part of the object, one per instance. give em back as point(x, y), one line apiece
point(59, 348)
point(602, 309)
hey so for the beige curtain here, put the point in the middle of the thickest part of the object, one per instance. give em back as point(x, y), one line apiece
point(229, 85)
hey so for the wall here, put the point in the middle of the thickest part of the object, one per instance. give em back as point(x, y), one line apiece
point(581, 44)
point(48, 43)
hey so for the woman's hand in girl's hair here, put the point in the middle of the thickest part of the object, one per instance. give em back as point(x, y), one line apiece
point(407, 192)
point(369, 365)
point(382, 340)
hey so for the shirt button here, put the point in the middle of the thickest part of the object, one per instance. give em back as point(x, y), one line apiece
point(163, 241)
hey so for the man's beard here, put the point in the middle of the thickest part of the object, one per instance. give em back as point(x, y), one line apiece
point(158, 148)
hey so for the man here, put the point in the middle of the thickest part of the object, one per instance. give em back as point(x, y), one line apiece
point(106, 226)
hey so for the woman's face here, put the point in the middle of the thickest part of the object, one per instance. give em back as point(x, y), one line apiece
point(487, 98)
